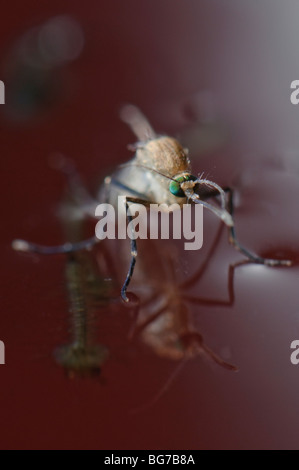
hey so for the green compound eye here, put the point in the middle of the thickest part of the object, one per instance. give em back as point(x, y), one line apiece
point(175, 185)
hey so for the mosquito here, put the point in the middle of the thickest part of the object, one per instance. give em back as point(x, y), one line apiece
point(160, 172)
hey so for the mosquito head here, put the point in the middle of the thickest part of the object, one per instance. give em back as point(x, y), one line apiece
point(183, 185)
point(180, 183)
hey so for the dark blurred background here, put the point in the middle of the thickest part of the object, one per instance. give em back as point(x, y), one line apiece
point(218, 74)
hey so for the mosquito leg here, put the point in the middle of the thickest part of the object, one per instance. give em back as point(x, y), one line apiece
point(230, 288)
point(22, 245)
point(85, 203)
point(202, 269)
point(133, 260)
point(233, 237)
point(234, 241)
point(133, 245)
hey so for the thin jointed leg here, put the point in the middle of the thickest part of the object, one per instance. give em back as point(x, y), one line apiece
point(22, 245)
point(234, 241)
point(233, 237)
point(133, 259)
point(133, 245)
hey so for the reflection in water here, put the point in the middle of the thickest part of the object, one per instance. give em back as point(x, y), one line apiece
point(164, 321)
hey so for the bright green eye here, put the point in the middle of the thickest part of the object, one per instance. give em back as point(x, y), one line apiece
point(175, 185)
point(175, 189)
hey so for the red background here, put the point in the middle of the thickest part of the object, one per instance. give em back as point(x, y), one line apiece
point(159, 55)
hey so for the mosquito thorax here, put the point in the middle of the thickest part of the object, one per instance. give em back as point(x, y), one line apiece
point(180, 183)
point(165, 155)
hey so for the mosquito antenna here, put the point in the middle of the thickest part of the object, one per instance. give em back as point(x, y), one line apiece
point(23, 245)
